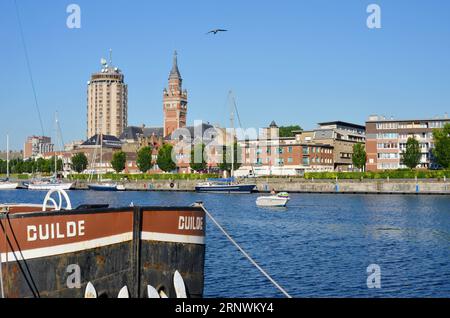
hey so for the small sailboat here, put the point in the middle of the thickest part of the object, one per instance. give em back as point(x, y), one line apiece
point(52, 183)
point(101, 186)
point(276, 201)
point(6, 184)
point(227, 185)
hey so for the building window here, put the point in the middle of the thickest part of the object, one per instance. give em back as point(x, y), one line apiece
point(305, 150)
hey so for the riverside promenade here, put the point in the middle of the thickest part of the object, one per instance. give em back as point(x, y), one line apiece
point(296, 185)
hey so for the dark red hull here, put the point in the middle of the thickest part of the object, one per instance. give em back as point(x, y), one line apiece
point(55, 254)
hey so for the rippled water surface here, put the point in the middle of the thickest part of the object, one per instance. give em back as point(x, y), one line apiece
point(320, 246)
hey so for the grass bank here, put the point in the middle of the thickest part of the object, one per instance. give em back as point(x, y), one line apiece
point(137, 177)
point(392, 174)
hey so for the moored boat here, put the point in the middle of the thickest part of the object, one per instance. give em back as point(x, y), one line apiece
point(51, 250)
point(7, 185)
point(224, 186)
point(103, 187)
point(47, 185)
point(279, 200)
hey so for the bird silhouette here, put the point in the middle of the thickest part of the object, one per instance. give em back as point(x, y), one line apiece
point(217, 31)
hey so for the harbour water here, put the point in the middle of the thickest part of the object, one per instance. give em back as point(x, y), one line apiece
point(320, 246)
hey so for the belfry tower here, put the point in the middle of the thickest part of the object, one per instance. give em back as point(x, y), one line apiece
point(174, 101)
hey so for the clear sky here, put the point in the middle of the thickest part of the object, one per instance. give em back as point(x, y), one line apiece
point(295, 62)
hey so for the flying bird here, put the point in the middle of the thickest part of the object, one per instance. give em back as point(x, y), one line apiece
point(217, 31)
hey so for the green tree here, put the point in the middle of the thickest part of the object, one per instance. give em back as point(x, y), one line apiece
point(79, 162)
point(287, 131)
point(227, 157)
point(198, 160)
point(164, 161)
point(41, 165)
point(118, 161)
point(411, 156)
point(2, 166)
point(359, 156)
point(144, 159)
point(442, 146)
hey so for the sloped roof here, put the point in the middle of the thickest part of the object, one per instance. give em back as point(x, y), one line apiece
point(108, 141)
point(175, 72)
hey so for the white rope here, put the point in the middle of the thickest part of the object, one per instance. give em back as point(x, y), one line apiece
point(246, 255)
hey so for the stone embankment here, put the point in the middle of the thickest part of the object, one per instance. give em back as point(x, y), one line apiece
point(424, 186)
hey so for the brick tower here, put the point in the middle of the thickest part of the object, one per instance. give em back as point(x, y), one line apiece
point(174, 101)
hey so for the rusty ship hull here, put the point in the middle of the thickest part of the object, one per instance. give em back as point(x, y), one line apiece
point(55, 254)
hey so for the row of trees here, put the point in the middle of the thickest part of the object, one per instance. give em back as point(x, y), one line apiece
point(164, 160)
point(40, 165)
point(412, 154)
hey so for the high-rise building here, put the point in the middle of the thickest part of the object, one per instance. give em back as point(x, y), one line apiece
point(37, 145)
point(107, 102)
point(387, 138)
point(174, 101)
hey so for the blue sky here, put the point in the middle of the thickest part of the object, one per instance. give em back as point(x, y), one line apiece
point(295, 62)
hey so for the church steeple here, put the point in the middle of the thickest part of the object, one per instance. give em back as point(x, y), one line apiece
point(174, 101)
point(175, 72)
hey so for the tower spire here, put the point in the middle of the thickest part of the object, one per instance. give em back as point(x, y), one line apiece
point(175, 73)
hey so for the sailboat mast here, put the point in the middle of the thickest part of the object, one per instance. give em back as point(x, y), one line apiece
point(7, 156)
point(56, 143)
point(232, 134)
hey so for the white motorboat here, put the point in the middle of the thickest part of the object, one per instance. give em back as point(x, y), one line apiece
point(279, 200)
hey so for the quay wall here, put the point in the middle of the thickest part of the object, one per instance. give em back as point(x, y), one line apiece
point(424, 186)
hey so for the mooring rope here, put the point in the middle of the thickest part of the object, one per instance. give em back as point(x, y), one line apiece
point(246, 254)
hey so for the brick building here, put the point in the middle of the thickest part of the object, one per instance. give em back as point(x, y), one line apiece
point(270, 155)
point(37, 145)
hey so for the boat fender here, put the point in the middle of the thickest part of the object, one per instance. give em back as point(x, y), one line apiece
point(90, 291)
point(162, 291)
point(172, 185)
point(123, 293)
point(152, 292)
point(180, 287)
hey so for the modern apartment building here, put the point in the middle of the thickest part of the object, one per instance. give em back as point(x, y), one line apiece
point(387, 138)
point(37, 145)
point(270, 155)
point(107, 102)
point(341, 135)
